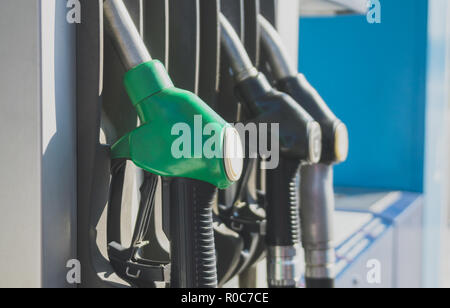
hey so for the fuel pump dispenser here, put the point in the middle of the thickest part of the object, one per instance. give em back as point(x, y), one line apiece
point(300, 141)
point(160, 107)
point(316, 188)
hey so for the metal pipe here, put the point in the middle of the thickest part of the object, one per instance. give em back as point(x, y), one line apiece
point(278, 56)
point(125, 35)
point(282, 269)
point(241, 64)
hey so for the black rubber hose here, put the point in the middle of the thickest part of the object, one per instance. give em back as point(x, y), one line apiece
point(193, 254)
point(283, 227)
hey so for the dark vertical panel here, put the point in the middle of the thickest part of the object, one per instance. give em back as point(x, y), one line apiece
point(268, 10)
point(251, 29)
point(184, 45)
point(156, 27)
point(228, 104)
point(209, 51)
point(92, 161)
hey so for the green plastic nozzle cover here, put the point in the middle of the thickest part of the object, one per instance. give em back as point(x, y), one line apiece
point(162, 108)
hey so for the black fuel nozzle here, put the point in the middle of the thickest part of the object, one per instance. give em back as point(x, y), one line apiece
point(334, 132)
point(299, 133)
point(316, 184)
point(299, 142)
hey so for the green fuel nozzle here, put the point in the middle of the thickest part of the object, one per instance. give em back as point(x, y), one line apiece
point(179, 135)
point(164, 110)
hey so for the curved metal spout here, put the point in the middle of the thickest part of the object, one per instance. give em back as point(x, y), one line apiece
point(241, 64)
point(125, 35)
point(272, 44)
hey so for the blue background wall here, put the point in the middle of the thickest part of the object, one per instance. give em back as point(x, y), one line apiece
point(389, 83)
point(374, 76)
